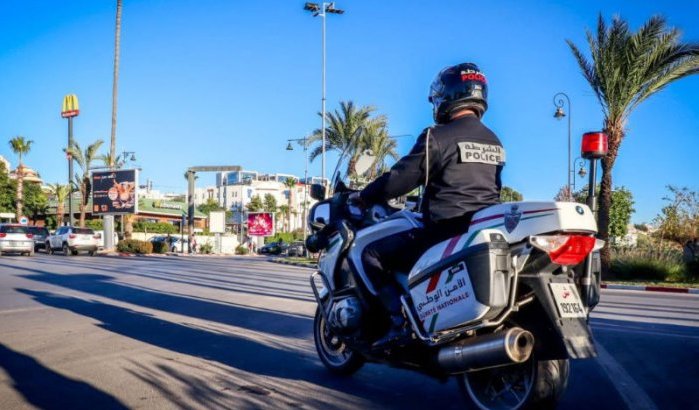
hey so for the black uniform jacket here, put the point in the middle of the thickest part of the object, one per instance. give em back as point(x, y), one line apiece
point(465, 162)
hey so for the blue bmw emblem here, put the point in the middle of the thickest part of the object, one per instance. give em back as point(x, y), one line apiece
point(579, 209)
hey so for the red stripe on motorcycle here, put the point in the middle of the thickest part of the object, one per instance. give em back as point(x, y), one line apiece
point(433, 283)
point(450, 246)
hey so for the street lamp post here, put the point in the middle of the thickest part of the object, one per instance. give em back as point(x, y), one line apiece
point(124, 158)
point(321, 10)
point(290, 147)
point(560, 113)
point(580, 166)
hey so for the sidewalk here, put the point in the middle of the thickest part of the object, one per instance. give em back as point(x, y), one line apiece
point(651, 288)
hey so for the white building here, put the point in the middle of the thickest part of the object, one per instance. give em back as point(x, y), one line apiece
point(234, 190)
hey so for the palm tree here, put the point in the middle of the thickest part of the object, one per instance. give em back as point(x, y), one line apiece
point(109, 161)
point(60, 193)
point(20, 146)
point(381, 145)
point(290, 184)
point(626, 68)
point(84, 160)
point(344, 131)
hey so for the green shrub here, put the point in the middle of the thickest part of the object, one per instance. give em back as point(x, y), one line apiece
point(206, 248)
point(287, 237)
point(154, 227)
point(645, 269)
point(652, 263)
point(135, 246)
point(94, 224)
point(159, 247)
point(242, 250)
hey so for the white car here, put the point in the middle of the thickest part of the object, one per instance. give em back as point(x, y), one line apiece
point(100, 239)
point(71, 240)
point(16, 238)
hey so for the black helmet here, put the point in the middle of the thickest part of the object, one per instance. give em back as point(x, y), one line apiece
point(460, 86)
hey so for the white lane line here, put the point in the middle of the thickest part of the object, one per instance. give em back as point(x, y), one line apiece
point(632, 394)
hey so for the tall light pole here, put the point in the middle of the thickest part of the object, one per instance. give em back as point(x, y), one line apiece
point(321, 10)
point(290, 147)
point(559, 103)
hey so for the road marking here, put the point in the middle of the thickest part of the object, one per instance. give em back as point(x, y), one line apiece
point(632, 394)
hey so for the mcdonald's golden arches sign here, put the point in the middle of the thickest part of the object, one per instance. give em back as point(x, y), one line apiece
point(70, 106)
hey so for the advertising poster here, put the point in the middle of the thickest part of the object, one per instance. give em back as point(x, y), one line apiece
point(261, 224)
point(115, 192)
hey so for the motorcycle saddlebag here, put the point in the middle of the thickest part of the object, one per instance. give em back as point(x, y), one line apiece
point(467, 286)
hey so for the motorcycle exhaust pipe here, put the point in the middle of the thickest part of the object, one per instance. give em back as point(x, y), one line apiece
point(512, 346)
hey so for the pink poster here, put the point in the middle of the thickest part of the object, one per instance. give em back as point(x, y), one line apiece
point(261, 224)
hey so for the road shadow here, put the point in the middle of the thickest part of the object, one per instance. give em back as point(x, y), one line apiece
point(47, 389)
point(212, 276)
point(277, 323)
point(227, 349)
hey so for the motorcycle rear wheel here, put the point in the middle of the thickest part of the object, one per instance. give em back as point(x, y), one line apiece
point(534, 384)
point(337, 357)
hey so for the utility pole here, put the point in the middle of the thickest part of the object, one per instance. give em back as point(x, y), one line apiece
point(320, 10)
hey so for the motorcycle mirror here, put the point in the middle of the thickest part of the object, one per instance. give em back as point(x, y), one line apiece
point(364, 162)
point(318, 192)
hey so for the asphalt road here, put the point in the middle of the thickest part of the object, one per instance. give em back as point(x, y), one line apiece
point(215, 333)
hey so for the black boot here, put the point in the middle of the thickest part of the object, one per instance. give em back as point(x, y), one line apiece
point(390, 297)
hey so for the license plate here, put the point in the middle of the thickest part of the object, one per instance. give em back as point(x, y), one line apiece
point(567, 300)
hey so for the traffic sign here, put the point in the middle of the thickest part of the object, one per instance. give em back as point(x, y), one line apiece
point(23, 220)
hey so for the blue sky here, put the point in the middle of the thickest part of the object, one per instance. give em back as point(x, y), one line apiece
point(217, 82)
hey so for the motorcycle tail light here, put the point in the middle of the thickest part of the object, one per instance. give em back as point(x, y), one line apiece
point(564, 249)
point(72, 236)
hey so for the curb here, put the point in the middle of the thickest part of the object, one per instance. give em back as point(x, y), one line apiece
point(667, 289)
point(285, 262)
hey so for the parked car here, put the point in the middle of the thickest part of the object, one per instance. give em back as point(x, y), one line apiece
point(16, 239)
point(274, 248)
point(100, 239)
point(175, 243)
point(296, 249)
point(71, 240)
point(40, 235)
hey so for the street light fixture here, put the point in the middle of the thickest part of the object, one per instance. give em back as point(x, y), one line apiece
point(290, 147)
point(580, 166)
point(558, 102)
point(321, 10)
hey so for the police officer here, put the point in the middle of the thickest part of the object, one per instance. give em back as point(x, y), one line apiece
point(459, 160)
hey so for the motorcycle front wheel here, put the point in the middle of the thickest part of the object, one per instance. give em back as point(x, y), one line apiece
point(335, 355)
point(534, 384)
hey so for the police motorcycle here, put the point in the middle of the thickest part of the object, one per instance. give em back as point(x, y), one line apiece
point(502, 307)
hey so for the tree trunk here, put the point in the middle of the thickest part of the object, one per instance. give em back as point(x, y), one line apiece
point(83, 204)
point(59, 215)
point(81, 221)
point(615, 133)
point(128, 226)
point(20, 192)
point(115, 83)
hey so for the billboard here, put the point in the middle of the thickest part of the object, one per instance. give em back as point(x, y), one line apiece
point(114, 192)
point(217, 221)
point(261, 224)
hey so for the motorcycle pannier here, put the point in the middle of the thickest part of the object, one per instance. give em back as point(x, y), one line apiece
point(470, 285)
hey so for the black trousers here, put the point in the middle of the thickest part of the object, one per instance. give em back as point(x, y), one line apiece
point(398, 253)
